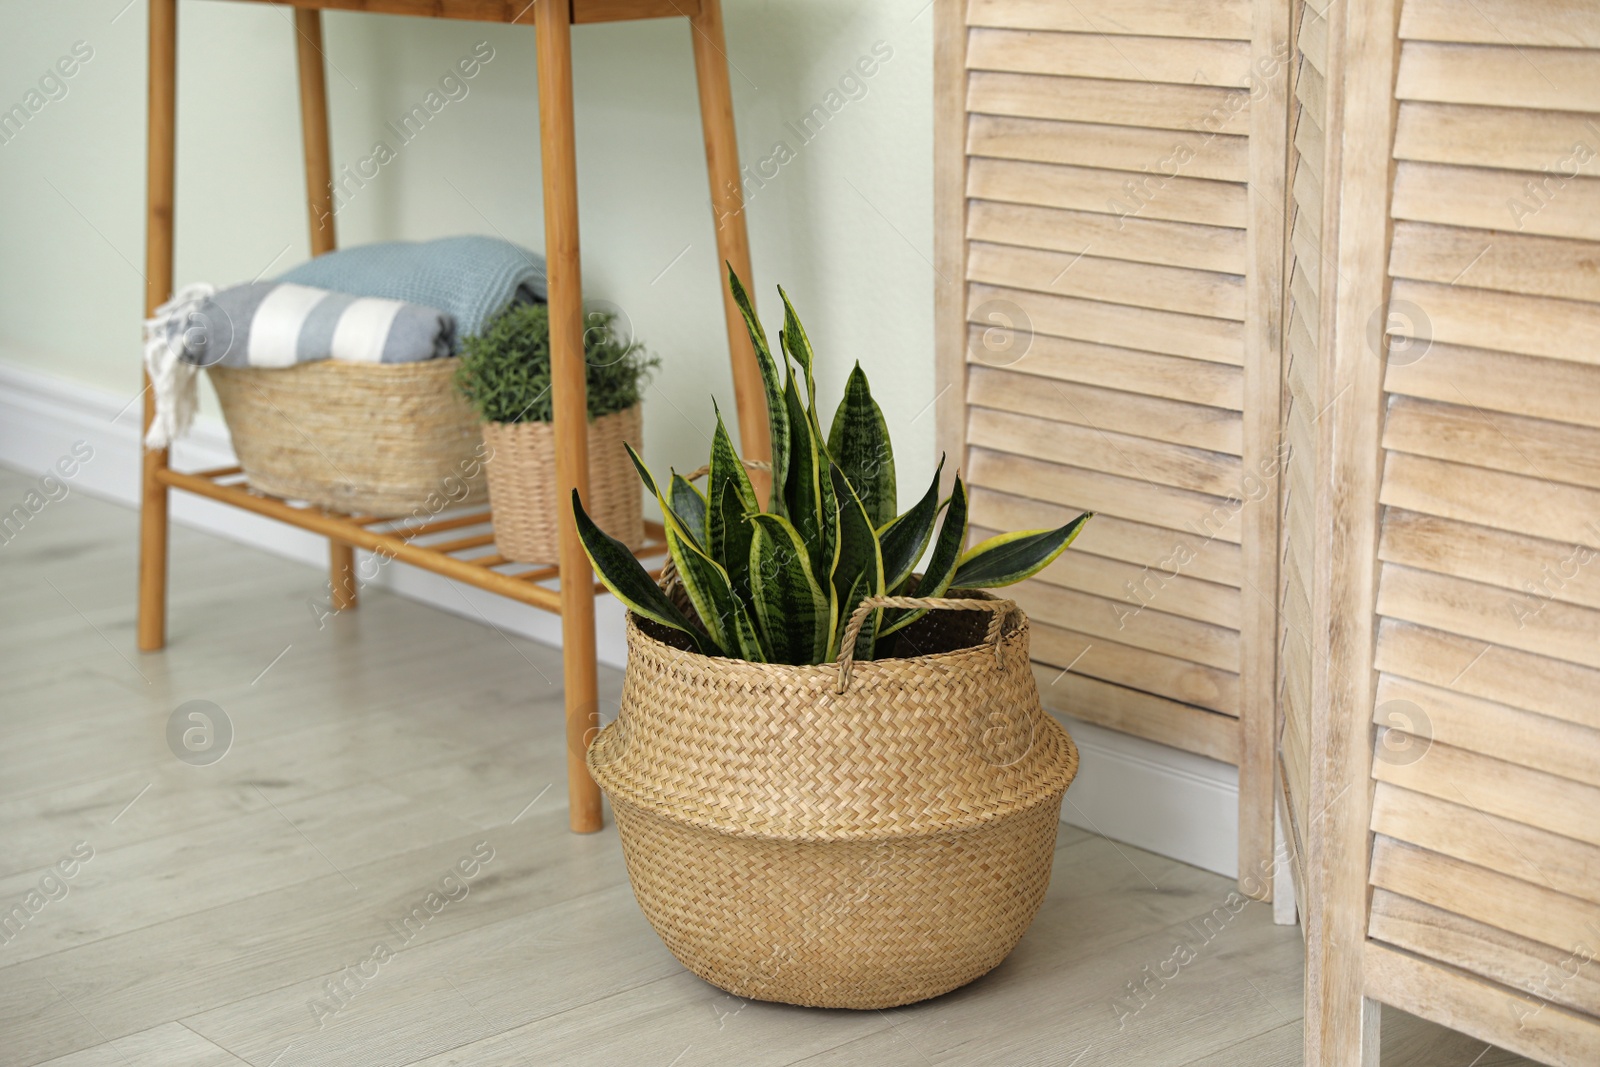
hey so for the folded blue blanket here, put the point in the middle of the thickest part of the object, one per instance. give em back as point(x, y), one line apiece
point(471, 278)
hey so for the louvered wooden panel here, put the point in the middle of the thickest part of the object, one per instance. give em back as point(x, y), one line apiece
point(1561, 79)
point(1172, 60)
point(1118, 281)
point(1108, 280)
point(1208, 385)
point(1210, 560)
point(1531, 569)
point(1487, 741)
point(1207, 428)
point(1482, 198)
point(1127, 455)
point(1479, 893)
point(1520, 679)
point(1119, 148)
point(1165, 244)
point(1184, 518)
point(1509, 322)
point(1214, 340)
point(1565, 749)
point(1228, 19)
point(1522, 385)
point(1495, 137)
point(1451, 828)
point(1300, 385)
point(1543, 801)
point(1520, 505)
point(1505, 262)
point(1550, 23)
point(1195, 599)
point(1144, 714)
point(1172, 677)
point(1536, 969)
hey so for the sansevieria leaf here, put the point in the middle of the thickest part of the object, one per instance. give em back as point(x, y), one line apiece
point(859, 443)
point(906, 538)
point(772, 383)
point(707, 586)
point(857, 567)
point(689, 506)
point(730, 498)
point(669, 513)
point(793, 612)
point(731, 531)
point(798, 347)
point(942, 564)
point(645, 476)
point(807, 472)
point(626, 577)
point(1010, 557)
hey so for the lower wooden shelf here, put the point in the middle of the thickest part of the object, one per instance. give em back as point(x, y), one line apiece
point(441, 544)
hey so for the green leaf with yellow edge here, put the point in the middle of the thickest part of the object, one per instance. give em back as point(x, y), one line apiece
point(859, 443)
point(793, 612)
point(708, 589)
point(627, 579)
point(729, 498)
point(942, 564)
point(772, 384)
point(857, 567)
point(807, 475)
point(669, 515)
point(690, 507)
point(905, 539)
point(798, 347)
point(1007, 558)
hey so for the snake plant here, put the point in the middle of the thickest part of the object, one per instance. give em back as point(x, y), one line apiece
point(779, 585)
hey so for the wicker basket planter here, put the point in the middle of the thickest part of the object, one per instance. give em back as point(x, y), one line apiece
point(523, 489)
point(839, 836)
point(363, 438)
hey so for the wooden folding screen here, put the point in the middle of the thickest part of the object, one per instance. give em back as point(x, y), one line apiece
point(1299, 543)
point(1325, 357)
point(1452, 816)
point(1109, 237)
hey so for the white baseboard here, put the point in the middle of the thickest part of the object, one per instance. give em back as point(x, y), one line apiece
point(1159, 798)
point(1129, 789)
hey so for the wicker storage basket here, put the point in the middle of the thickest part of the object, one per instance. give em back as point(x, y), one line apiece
point(861, 848)
point(363, 438)
point(523, 488)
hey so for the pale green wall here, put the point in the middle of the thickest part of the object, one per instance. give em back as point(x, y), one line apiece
point(845, 225)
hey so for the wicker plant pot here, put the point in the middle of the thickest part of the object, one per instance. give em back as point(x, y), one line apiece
point(861, 848)
point(363, 438)
point(523, 489)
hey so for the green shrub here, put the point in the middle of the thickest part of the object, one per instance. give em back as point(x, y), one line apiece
point(780, 585)
point(504, 372)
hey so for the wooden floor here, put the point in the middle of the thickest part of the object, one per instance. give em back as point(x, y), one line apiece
point(229, 912)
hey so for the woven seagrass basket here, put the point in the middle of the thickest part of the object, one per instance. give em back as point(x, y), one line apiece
point(363, 438)
point(524, 493)
point(844, 836)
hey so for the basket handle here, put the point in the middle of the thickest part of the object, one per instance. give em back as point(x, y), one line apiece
point(847, 647)
point(749, 465)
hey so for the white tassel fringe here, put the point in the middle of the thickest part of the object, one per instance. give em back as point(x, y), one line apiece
point(176, 391)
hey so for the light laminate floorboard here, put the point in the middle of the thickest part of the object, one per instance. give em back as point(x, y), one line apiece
point(371, 753)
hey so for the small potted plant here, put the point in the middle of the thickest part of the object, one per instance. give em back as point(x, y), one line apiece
point(504, 373)
point(832, 777)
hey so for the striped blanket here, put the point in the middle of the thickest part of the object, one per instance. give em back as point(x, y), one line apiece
point(275, 324)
